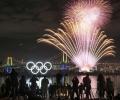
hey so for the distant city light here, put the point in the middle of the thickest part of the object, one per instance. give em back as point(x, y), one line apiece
point(7, 69)
point(9, 61)
point(37, 67)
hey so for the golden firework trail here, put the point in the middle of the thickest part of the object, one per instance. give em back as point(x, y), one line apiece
point(82, 47)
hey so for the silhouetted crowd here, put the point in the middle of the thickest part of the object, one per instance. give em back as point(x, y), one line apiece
point(80, 90)
point(12, 88)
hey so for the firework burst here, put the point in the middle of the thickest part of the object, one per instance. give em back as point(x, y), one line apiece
point(88, 12)
point(83, 49)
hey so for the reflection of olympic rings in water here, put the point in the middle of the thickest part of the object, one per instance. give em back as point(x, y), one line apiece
point(37, 67)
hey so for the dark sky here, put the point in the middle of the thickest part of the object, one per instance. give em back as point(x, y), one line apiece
point(23, 21)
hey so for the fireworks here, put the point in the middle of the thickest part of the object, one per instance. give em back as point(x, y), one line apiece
point(83, 49)
point(79, 36)
point(90, 12)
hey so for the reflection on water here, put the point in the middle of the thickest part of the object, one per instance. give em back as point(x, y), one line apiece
point(38, 82)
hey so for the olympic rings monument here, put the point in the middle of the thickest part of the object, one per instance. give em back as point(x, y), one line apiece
point(39, 67)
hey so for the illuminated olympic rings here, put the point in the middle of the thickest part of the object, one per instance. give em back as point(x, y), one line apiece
point(37, 67)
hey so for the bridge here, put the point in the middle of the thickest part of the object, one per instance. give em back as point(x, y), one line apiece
point(60, 59)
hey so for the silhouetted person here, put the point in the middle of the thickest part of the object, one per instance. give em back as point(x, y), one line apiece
point(14, 84)
point(109, 89)
point(50, 91)
point(22, 86)
point(69, 88)
point(87, 86)
point(117, 96)
point(59, 84)
point(44, 87)
point(101, 86)
point(33, 84)
point(75, 82)
point(54, 89)
point(3, 90)
point(58, 79)
point(81, 88)
point(8, 86)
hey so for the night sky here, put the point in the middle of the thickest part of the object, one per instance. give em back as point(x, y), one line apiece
point(22, 22)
